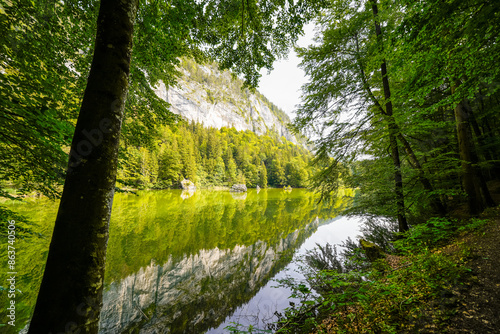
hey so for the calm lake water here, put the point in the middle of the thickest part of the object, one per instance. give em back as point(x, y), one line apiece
point(189, 263)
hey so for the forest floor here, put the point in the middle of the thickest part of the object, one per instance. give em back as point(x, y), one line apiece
point(468, 303)
point(477, 300)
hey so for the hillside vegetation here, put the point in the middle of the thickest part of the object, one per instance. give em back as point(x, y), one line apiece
point(266, 154)
point(214, 157)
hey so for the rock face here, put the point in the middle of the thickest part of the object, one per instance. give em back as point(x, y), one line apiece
point(195, 293)
point(188, 185)
point(373, 252)
point(213, 103)
point(239, 188)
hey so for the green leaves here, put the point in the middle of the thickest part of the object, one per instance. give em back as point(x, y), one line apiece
point(249, 35)
point(45, 59)
point(427, 47)
point(40, 89)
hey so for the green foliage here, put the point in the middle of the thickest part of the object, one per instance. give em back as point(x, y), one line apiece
point(46, 49)
point(39, 90)
point(24, 227)
point(434, 233)
point(255, 33)
point(211, 157)
point(344, 293)
point(430, 51)
point(386, 301)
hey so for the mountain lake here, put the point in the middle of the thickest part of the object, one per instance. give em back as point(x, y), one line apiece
point(180, 262)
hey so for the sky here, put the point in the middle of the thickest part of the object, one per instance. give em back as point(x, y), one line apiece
point(282, 85)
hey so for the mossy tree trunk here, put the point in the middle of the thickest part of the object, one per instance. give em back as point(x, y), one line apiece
point(474, 183)
point(70, 297)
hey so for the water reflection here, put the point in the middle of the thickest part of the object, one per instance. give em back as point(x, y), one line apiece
point(196, 293)
point(239, 196)
point(187, 193)
point(182, 264)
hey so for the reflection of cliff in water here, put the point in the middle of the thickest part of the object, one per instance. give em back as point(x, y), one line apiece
point(197, 292)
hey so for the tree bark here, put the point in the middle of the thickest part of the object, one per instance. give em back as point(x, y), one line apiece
point(478, 172)
point(474, 200)
point(393, 130)
point(70, 297)
point(492, 137)
point(486, 150)
point(436, 203)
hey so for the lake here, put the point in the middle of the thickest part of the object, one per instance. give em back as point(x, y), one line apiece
point(180, 262)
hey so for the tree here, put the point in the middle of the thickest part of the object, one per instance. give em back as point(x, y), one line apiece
point(392, 127)
point(296, 173)
point(455, 43)
point(262, 175)
point(231, 171)
point(343, 81)
point(277, 177)
point(170, 164)
point(70, 296)
point(413, 90)
point(39, 93)
point(187, 153)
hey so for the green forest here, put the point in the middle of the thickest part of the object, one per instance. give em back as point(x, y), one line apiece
point(401, 105)
point(210, 157)
point(404, 97)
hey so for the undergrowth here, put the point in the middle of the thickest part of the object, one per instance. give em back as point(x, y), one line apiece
point(406, 292)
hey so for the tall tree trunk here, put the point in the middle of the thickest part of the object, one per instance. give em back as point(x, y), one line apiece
point(436, 203)
point(478, 172)
point(70, 297)
point(470, 184)
point(393, 130)
point(492, 138)
point(489, 154)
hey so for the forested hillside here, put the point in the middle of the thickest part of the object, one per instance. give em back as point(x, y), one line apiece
point(212, 157)
point(226, 134)
point(206, 94)
point(159, 153)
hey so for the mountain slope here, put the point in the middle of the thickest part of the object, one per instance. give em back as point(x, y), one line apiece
point(206, 95)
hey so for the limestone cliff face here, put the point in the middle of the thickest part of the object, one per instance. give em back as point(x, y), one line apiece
point(206, 95)
point(196, 293)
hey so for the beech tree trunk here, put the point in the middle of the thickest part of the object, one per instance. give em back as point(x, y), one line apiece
point(393, 131)
point(471, 187)
point(436, 203)
point(70, 297)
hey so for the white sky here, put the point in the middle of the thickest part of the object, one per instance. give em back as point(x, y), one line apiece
point(282, 85)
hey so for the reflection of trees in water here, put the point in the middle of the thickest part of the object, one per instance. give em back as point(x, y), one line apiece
point(162, 226)
point(187, 193)
point(239, 195)
point(198, 292)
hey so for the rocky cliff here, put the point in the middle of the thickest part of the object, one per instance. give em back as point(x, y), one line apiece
point(206, 95)
point(196, 293)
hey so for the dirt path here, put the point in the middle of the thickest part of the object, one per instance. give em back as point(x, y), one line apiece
point(478, 301)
